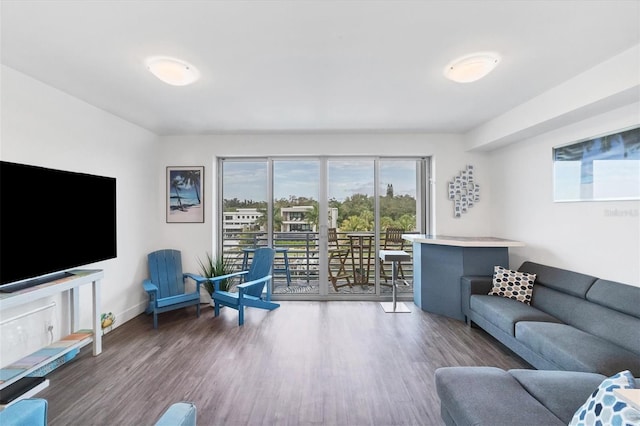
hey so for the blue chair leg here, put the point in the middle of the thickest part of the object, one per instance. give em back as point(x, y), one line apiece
point(216, 309)
point(240, 315)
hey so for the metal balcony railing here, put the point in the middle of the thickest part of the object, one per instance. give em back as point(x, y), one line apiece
point(303, 254)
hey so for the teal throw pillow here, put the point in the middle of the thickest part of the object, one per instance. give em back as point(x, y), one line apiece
point(604, 408)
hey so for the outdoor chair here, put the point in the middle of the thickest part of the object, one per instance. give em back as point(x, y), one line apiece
point(250, 292)
point(339, 255)
point(166, 284)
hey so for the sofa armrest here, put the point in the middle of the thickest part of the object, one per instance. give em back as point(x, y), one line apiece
point(468, 396)
point(29, 411)
point(473, 284)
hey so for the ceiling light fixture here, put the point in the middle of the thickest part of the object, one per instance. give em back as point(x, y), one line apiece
point(471, 67)
point(172, 71)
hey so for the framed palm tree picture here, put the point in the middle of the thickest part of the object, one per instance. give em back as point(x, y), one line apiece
point(185, 194)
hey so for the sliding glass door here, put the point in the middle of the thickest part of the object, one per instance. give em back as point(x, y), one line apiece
point(294, 227)
point(350, 184)
point(327, 217)
point(398, 189)
point(244, 203)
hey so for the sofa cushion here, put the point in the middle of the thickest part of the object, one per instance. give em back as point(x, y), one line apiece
point(565, 281)
point(512, 284)
point(604, 322)
point(504, 313)
point(555, 303)
point(614, 295)
point(574, 350)
point(488, 396)
point(562, 392)
point(604, 407)
point(616, 327)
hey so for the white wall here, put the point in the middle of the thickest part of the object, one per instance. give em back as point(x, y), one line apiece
point(447, 151)
point(46, 127)
point(580, 236)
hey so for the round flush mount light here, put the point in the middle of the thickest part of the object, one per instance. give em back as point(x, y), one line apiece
point(172, 71)
point(469, 68)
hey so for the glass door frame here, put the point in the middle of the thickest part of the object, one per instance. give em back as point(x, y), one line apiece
point(423, 213)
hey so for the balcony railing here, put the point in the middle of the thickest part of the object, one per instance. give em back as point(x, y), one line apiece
point(303, 255)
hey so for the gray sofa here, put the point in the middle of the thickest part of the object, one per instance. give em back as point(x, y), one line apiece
point(489, 396)
point(575, 322)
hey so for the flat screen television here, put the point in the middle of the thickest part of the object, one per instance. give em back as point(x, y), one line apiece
point(52, 221)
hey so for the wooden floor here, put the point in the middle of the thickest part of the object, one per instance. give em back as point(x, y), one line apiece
point(305, 363)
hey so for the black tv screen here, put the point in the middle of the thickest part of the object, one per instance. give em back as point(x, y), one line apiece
point(53, 220)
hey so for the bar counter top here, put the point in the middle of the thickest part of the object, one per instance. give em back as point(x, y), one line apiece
point(448, 240)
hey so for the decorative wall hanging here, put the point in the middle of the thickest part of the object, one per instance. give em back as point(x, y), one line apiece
point(185, 200)
point(463, 191)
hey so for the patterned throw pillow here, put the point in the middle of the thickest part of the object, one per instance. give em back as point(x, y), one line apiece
point(512, 284)
point(604, 408)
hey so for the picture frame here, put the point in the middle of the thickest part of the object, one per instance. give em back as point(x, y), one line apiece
point(185, 194)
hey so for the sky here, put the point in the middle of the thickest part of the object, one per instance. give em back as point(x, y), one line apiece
point(301, 178)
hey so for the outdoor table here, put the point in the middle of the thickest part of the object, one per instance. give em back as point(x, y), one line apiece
point(361, 246)
point(285, 266)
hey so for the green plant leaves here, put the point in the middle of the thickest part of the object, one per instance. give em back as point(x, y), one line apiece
point(215, 267)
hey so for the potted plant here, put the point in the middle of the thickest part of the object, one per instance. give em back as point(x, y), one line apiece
point(215, 267)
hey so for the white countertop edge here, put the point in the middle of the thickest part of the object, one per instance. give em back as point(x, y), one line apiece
point(447, 240)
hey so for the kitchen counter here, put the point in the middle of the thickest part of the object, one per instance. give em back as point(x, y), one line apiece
point(439, 261)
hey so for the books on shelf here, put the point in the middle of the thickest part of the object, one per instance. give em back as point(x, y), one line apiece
point(79, 335)
point(39, 358)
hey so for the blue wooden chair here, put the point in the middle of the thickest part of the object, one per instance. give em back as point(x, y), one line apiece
point(250, 291)
point(166, 285)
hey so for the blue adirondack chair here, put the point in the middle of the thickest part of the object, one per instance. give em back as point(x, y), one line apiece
point(250, 291)
point(166, 285)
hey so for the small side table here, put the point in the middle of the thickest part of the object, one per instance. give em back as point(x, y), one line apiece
point(285, 267)
point(394, 256)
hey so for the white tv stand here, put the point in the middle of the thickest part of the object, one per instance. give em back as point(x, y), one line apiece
point(69, 286)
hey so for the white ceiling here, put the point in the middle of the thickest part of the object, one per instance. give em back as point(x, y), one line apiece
point(325, 66)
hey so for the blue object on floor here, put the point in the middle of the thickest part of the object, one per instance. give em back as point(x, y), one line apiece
point(250, 293)
point(26, 412)
point(179, 414)
point(166, 285)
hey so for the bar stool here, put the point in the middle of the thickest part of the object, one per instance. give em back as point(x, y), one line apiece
point(394, 256)
point(283, 270)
